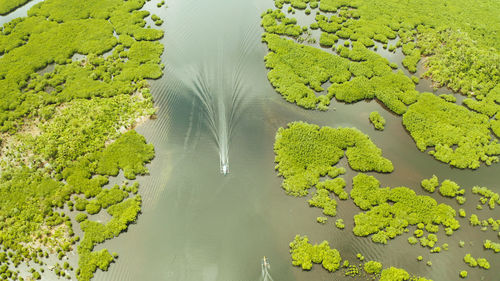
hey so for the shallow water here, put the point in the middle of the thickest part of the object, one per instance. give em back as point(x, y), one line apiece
point(198, 225)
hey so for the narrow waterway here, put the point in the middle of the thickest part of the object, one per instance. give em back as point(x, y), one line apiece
point(215, 105)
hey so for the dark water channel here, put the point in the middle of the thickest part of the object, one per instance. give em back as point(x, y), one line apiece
point(198, 225)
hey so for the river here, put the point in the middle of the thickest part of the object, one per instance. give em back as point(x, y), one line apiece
point(199, 225)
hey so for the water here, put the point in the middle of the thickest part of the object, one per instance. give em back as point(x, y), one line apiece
point(198, 225)
point(218, 87)
point(266, 266)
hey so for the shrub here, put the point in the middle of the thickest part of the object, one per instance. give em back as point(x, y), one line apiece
point(434, 122)
point(304, 254)
point(377, 120)
point(340, 224)
point(372, 267)
point(430, 184)
point(80, 217)
point(450, 189)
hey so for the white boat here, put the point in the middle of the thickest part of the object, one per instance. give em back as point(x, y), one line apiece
point(265, 263)
point(224, 169)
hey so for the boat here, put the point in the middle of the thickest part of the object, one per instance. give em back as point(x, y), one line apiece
point(265, 262)
point(224, 169)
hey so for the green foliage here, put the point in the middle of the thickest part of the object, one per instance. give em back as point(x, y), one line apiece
point(321, 199)
point(487, 196)
point(395, 90)
point(433, 122)
point(472, 262)
point(352, 270)
point(475, 73)
point(390, 211)
point(304, 254)
point(412, 240)
point(122, 214)
point(394, 274)
point(6, 6)
point(134, 188)
point(474, 220)
point(339, 223)
point(276, 22)
point(462, 213)
point(298, 71)
point(468, 259)
point(483, 263)
point(58, 126)
point(373, 267)
point(322, 220)
point(93, 207)
point(158, 21)
point(304, 152)
point(460, 200)
point(129, 153)
point(81, 217)
point(436, 250)
point(91, 122)
point(32, 43)
point(429, 241)
point(161, 3)
point(411, 60)
point(334, 5)
point(327, 40)
point(430, 184)
point(461, 50)
point(463, 273)
point(442, 31)
point(450, 188)
point(377, 120)
point(448, 98)
point(336, 185)
point(488, 244)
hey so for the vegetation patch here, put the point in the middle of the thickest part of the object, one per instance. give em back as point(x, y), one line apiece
point(377, 120)
point(390, 211)
point(458, 136)
point(356, 72)
point(373, 267)
point(488, 195)
point(304, 254)
point(66, 131)
point(306, 152)
point(298, 71)
point(7, 6)
point(430, 184)
point(488, 244)
point(450, 188)
point(472, 262)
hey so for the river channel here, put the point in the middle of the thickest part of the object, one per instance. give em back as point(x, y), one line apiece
point(200, 225)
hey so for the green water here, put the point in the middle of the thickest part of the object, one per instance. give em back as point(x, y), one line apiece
point(198, 225)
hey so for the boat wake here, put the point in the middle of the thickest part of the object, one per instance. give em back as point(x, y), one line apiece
point(220, 86)
point(265, 276)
